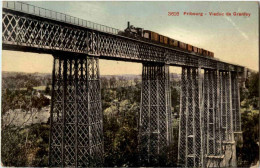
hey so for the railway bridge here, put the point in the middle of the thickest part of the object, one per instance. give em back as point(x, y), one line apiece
point(209, 108)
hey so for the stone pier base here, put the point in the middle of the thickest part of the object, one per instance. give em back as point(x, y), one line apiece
point(214, 161)
point(229, 151)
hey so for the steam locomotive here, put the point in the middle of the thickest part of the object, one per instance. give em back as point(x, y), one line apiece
point(140, 33)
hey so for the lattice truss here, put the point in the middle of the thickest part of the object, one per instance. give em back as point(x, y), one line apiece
point(19, 29)
point(76, 115)
point(211, 124)
point(226, 107)
point(189, 154)
point(236, 103)
point(155, 131)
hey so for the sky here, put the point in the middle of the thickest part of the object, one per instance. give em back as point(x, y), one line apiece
point(233, 39)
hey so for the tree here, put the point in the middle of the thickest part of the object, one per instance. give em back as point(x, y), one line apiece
point(25, 146)
point(29, 87)
point(47, 90)
point(248, 152)
point(253, 87)
point(120, 134)
point(104, 82)
point(112, 82)
point(137, 81)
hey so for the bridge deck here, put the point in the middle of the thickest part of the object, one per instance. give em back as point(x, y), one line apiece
point(29, 28)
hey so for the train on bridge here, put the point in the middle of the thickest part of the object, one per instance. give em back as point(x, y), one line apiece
point(140, 33)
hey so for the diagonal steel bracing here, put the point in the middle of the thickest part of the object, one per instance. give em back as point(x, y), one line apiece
point(235, 102)
point(76, 118)
point(189, 153)
point(155, 116)
point(226, 107)
point(212, 149)
point(236, 107)
point(228, 144)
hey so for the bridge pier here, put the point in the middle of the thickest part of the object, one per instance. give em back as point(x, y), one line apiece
point(76, 138)
point(155, 116)
point(189, 154)
point(212, 142)
point(206, 134)
point(229, 147)
point(236, 108)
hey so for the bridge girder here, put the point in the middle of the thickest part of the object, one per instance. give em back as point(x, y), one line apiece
point(35, 33)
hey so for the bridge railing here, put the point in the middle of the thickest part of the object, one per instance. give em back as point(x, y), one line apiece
point(42, 12)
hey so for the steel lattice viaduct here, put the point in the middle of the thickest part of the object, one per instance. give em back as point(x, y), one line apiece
point(209, 102)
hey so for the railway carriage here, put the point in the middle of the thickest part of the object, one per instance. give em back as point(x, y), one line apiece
point(140, 33)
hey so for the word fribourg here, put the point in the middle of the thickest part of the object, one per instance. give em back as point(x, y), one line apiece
point(210, 14)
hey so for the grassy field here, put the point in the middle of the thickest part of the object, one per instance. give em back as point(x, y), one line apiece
point(39, 88)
